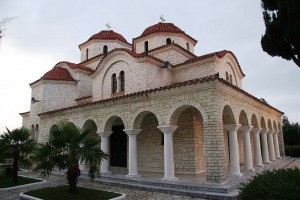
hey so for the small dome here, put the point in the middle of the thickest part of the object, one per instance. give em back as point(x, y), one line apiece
point(58, 73)
point(108, 35)
point(162, 28)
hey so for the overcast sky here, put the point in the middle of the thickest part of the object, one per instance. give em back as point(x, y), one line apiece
point(46, 32)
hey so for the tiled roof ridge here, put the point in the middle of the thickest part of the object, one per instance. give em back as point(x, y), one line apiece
point(172, 44)
point(246, 93)
point(81, 98)
point(76, 66)
point(219, 54)
point(58, 73)
point(141, 93)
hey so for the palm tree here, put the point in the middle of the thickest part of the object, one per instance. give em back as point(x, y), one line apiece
point(67, 146)
point(16, 145)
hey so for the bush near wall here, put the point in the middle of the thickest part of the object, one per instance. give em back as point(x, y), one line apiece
point(277, 184)
point(291, 150)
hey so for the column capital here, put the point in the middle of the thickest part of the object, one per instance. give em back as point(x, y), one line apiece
point(276, 132)
point(245, 128)
point(256, 130)
point(132, 131)
point(104, 134)
point(232, 127)
point(270, 131)
point(167, 129)
point(264, 130)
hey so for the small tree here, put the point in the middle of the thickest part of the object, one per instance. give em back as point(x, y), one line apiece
point(67, 146)
point(16, 145)
point(282, 29)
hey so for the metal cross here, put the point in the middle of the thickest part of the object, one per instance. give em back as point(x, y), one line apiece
point(162, 19)
point(108, 26)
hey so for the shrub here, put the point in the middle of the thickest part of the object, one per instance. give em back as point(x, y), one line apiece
point(293, 151)
point(277, 184)
point(8, 171)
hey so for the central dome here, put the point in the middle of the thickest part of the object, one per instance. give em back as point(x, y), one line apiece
point(108, 35)
point(161, 28)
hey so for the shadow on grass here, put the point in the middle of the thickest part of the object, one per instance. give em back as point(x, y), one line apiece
point(62, 192)
point(6, 181)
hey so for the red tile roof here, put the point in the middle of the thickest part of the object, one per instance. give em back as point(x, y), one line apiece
point(163, 28)
point(175, 85)
point(58, 73)
point(219, 54)
point(76, 66)
point(108, 35)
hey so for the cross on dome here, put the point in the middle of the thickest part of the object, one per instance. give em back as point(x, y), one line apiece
point(108, 26)
point(162, 19)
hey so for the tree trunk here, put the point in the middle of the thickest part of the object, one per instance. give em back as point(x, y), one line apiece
point(72, 175)
point(15, 166)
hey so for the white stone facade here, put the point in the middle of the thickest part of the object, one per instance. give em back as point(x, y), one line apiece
point(187, 117)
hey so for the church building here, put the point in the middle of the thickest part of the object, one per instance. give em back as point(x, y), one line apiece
point(157, 107)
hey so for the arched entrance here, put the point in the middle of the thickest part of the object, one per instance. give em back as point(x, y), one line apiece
point(117, 142)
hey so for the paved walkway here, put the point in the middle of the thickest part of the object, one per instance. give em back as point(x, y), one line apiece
point(132, 194)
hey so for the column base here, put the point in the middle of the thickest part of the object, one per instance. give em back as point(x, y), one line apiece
point(250, 170)
point(260, 166)
point(169, 179)
point(133, 175)
point(267, 162)
point(278, 158)
point(236, 175)
point(273, 160)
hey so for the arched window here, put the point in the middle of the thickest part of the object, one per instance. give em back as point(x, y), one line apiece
point(105, 49)
point(230, 79)
point(146, 46)
point(32, 132)
point(188, 46)
point(87, 53)
point(113, 83)
point(227, 77)
point(122, 79)
point(168, 41)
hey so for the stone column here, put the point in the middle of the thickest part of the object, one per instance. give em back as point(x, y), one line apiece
point(234, 149)
point(118, 84)
point(265, 151)
point(247, 147)
point(104, 147)
point(132, 133)
point(271, 145)
point(276, 145)
point(257, 147)
point(168, 151)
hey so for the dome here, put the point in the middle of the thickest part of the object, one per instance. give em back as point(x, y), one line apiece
point(58, 73)
point(108, 35)
point(162, 28)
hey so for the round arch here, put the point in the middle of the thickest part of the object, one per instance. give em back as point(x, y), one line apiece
point(138, 116)
point(274, 125)
point(270, 125)
point(228, 115)
point(243, 119)
point(263, 123)
point(175, 111)
point(254, 121)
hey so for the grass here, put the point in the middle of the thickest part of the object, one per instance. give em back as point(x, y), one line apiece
point(6, 181)
point(62, 192)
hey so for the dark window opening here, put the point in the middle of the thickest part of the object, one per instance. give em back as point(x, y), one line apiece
point(87, 53)
point(146, 46)
point(168, 41)
point(113, 83)
point(122, 77)
point(188, 46)
point(105, 49)
point(162, 139)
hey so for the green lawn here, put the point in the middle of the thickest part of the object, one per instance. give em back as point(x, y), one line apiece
point(6, 181)
point(61, 192)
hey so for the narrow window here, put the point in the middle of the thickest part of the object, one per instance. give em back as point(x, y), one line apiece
point(113, 83)
point(168, 41)
point(188, 46)
point(105, 49)
point(87, 53)
point(230, 79)
point(162, 140)
point(32, 132)
point(227, 78)
point(122, 77)
point(146, 46)
point(36, 132)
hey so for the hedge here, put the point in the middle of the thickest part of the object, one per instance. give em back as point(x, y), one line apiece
point(293, 151)
point(281, 184)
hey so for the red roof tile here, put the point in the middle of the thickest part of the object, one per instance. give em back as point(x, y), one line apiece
point(76, 66)
point(175, 85)
point(108, 35)
point(162, 28)
point(219, 54)
point(58, 73)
